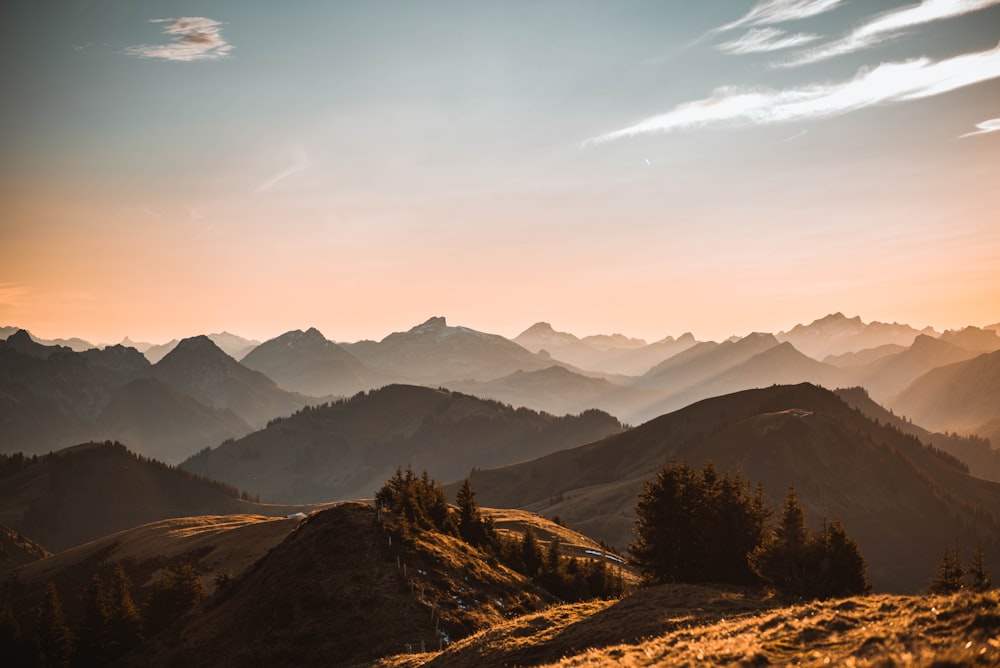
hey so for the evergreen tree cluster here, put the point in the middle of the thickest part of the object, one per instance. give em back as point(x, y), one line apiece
point(418, 504)
point(112, 623)
point(700, 527)
point(953, 575)
point(695, 526)
point(798, 561)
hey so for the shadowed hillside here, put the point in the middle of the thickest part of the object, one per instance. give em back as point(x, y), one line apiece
point(17, 550)
point(333, 593)
point(901, 500)
point(346, 449)
point(91, 490)
point(199, 368)
point(964, 396)
point(198, 396)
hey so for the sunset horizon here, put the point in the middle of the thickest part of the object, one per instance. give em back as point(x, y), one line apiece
point(646, 168)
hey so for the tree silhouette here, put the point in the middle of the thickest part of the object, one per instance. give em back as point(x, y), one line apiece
point(797, 561)
point(950, 573)
point(697, 526)
point(980, 578)
point(54, 640)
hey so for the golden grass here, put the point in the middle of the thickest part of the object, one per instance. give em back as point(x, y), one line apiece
point(685, 625)
point(231, 543)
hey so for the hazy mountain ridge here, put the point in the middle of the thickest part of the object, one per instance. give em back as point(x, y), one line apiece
point(898, 498)
point(435, 352)
point(54, 397)
point(309, 363)
point(836, 334)
point(964, 396)
point(346, 449)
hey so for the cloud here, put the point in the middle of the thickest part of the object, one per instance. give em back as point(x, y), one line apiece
point(889, 25)
point(759, 40)
point(888, 83)
point(778, 11)
point(986, 127)
point(193, 38)
point(300, 162)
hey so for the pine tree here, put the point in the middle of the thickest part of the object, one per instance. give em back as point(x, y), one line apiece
point(54, 640)
point(125, 621)
point(697, 526)
point(797, 561)
point(950, 572)
point(11, 639)
point(531, 553)
point(979, 576)
point(845, 570)
point(94, 638)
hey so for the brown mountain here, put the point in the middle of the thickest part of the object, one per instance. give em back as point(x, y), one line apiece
point(55, 397)
point(973, 338)
point(704, 361)
point(863, 357)
point(780, 364)
point(436, 352)
point(836, 333)
point(345, 450)
point(958, 397)
point(902, 501)
point(200, 369)
point(308, 363)
point(163, 423)
point(612, 354)
point(559, 391)
point(91, 490)
point(974, 450)
point(75, 344)
point(891, 374)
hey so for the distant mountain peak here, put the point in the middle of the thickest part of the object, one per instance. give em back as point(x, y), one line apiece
point(194, 346)
point(430, 325)
point(540, 327)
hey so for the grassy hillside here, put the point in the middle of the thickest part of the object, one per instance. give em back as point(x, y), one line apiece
point(685, 625)
point(336, 592)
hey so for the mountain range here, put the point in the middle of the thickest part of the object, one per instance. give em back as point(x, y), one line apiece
point(542, 368)
point(346, 449)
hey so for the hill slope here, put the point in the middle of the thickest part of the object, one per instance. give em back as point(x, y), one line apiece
point(347, 449)
point(963, 396)
point(332, 593)
point(81, 493)
point(902, 501)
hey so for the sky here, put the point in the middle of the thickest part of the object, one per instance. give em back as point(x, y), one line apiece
point(644, 167)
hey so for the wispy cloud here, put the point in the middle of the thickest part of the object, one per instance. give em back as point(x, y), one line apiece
point(769, 12)
point(193, 38)
point(984, 128)
point(761, 40)
point(889, 25)
point(885, 84)
point(300, 162)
